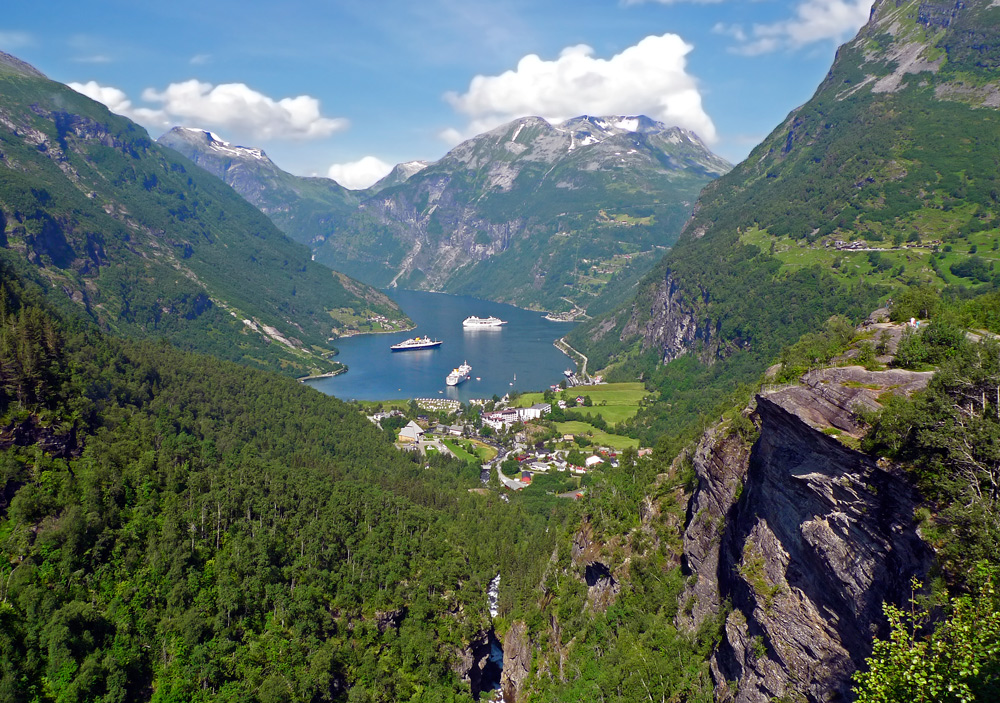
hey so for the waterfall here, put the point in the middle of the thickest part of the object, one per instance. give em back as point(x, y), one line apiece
point(493, 596)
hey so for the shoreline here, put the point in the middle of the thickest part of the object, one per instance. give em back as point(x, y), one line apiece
point(328, 374)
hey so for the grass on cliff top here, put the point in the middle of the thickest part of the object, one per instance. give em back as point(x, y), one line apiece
point(915, 257)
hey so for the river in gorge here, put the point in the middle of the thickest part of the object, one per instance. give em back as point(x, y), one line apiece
point(517, 356)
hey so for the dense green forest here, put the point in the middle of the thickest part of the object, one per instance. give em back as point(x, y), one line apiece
point(178, 528)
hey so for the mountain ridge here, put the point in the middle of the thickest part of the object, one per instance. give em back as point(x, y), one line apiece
point(532, 213)
point(149, 245)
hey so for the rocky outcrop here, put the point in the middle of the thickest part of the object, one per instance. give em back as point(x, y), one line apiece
point(479, 665)
point(806, 538)
point(516, 662)
point(720, 462)
point(665, 319)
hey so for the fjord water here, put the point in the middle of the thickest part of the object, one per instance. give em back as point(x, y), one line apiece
point(523, 347)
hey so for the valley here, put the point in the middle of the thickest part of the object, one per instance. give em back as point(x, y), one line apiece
point(773, 476)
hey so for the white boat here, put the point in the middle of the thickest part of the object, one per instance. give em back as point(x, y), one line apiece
point(459, 375)
point(414, 343)
point(474, 322)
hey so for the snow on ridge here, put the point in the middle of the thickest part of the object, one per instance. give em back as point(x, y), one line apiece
point(630, 124)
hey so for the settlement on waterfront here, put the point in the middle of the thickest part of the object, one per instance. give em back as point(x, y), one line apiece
point(516, 438)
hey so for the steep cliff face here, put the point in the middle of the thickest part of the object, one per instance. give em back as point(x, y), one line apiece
point(805, 538)
point(665, 320)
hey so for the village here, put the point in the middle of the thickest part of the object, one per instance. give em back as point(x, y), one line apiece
point(561, 434)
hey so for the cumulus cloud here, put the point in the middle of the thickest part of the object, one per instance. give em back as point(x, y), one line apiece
point(648, 78)
point(232, 107)
point(359, 174)
point(200, 59)
point(238, 107)
point(813, 21)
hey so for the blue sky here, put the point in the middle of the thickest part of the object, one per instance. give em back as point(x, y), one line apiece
point(348, 88)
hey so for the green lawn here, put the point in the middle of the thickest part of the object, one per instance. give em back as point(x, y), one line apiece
point(457, 450)
point(612, 401)
point(595, 435)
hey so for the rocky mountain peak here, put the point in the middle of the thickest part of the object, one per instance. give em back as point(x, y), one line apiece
point(400, 173)
point(206, 140)
point(911, 44)
point(13, 64)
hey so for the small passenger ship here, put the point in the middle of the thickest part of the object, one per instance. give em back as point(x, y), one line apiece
point(414, 343)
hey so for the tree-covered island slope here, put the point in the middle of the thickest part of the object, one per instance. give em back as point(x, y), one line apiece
point(560, 217)
point(896, 155)
point(151, 246)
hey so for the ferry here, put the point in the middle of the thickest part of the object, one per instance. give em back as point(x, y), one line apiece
point(414, 343)
point(462, 373)
point(474, 322)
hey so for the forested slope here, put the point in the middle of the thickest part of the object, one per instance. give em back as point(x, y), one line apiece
point(151, 246)
point(175, 527)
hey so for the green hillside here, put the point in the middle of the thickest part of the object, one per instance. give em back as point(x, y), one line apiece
point(151, 246)
point(895, 159)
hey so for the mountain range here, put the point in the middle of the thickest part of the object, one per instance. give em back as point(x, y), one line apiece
point(560, 217)
point(150, 245)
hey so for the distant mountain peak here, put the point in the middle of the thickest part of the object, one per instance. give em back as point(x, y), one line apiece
point(213, 142)
point(400, 173)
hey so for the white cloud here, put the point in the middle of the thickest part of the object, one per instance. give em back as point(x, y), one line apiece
point(814, 21)
point(232, 107)
point(117, 101)
point(648, 78)
point(13, 39)
point(359, 174)
point(237, 107)
point(200, 59)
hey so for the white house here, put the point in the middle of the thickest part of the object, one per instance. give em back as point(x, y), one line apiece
point(534, 412)
point(411, 433)
point(593, 461)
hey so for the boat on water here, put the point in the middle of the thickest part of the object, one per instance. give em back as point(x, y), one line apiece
point(474, 322)
point(414, 343)
point(462, 373)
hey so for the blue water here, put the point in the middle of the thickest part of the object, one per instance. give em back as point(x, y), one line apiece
point(523, 347)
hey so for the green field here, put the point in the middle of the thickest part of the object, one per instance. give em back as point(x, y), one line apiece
point(470, 450)
point(459, 452)
point(595, 435)
point(612, 401)
point(941, 236)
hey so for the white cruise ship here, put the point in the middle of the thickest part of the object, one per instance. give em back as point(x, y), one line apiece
point(481, 322)
point(462, 373)
point(416, 343)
